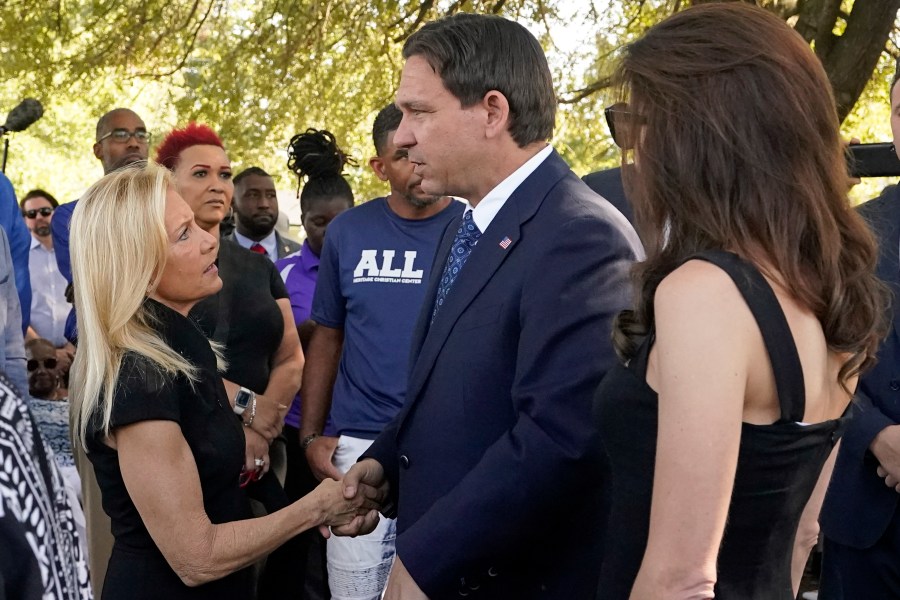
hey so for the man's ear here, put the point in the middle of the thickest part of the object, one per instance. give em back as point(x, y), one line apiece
point(378, 166)
point(98, 150)
point(497, 108)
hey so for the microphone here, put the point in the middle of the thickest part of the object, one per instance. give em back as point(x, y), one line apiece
point(21, 117)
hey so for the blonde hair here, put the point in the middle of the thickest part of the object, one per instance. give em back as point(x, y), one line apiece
point(119, 248)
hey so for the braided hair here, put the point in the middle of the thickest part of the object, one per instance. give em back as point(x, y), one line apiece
point(315, 155)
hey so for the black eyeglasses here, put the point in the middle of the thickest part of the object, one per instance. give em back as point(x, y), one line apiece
point(44, 212)
point(123, 135)
point(33, 363)
point(621, 122)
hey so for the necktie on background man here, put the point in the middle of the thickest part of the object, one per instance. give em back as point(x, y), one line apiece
point(466, 237)
point(258, 248)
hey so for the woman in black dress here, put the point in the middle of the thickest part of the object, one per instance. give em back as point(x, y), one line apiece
point(756, 309)
point(152, 410)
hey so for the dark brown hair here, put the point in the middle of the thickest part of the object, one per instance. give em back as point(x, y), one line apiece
point(38, 193)
point(739, 149)
point(474, 54)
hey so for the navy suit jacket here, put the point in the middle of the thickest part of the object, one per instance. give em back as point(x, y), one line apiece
point(608, 183)
point(493, 462)
point(858, 506)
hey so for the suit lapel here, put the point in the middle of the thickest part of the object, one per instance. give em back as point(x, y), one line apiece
point(423, 323)
point(282, 248)
point(486, 258)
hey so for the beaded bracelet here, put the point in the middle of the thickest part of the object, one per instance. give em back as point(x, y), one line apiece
point(252, 412)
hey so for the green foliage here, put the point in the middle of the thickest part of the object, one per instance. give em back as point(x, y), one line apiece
point(260, 71)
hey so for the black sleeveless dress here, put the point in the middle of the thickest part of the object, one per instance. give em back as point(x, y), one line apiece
point(778, 464)
point(137, 568)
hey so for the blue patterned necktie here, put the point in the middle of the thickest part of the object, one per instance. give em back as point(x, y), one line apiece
point(466, 237)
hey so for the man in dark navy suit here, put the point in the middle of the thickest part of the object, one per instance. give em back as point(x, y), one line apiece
point(492, 466)
point(860, 517)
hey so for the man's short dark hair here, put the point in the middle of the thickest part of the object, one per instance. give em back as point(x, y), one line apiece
point(387, 120)
point(248, 172)
point(474, 54)
point(38, 193)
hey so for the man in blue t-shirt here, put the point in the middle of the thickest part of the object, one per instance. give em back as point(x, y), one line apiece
point(374, 269)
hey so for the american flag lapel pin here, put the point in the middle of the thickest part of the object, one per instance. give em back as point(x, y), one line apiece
point(505, 242)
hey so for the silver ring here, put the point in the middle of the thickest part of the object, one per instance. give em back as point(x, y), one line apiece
point(260, 462)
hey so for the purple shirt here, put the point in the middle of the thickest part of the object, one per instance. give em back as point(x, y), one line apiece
point(299, 272)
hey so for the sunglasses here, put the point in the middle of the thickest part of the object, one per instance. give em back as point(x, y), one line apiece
point(44, 212)
point(621, 122)
point(123, 135)
point(48, 363)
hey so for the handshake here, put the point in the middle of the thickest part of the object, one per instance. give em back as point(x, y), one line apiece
point(350, 506)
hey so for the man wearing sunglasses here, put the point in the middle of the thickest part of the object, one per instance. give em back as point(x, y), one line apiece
point(121, 139)
point(49, 307)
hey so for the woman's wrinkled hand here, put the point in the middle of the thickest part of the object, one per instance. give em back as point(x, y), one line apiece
point(359, 513)
point(257, 449)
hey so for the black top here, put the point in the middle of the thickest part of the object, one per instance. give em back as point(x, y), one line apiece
point(137, 568)
point(244, 315)
point(778, 464)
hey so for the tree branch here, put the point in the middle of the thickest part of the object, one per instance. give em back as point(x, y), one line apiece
point(578, 95)
point(424, 9)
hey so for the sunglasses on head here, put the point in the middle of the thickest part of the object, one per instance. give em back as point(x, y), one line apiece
point(44, 212)
point(48, 363)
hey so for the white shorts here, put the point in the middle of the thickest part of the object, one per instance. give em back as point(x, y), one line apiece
point(358, 568)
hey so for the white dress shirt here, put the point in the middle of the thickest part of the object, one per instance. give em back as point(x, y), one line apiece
point(269, 243)
point(491, 204)
point(49, 308)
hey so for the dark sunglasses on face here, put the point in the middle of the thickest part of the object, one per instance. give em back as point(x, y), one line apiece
point(45, 212)
point(621, 122)
point(123, 135)
point(48, 363)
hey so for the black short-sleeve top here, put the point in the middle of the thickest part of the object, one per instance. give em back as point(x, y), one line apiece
point(144, 392)
point(244, 315)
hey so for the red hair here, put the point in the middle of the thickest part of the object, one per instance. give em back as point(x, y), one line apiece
point(193, 134)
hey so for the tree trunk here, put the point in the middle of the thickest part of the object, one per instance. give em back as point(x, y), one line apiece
point(851, 58)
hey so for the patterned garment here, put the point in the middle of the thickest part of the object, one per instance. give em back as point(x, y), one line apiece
point(467, 236)
point(52, 418)
point(40, 554)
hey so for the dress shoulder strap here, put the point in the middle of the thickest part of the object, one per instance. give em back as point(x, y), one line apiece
point(773, 325)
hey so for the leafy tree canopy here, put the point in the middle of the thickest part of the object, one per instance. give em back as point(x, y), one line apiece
point(259, 72)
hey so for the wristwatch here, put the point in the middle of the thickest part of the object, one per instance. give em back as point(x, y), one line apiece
point(242, 400)
point(306, 441)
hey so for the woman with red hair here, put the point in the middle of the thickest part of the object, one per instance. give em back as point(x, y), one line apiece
point(251, 317)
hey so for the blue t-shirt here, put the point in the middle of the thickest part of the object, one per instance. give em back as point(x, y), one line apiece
point(373, 274)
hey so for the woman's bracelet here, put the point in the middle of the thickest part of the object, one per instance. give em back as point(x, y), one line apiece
point(252, 412)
